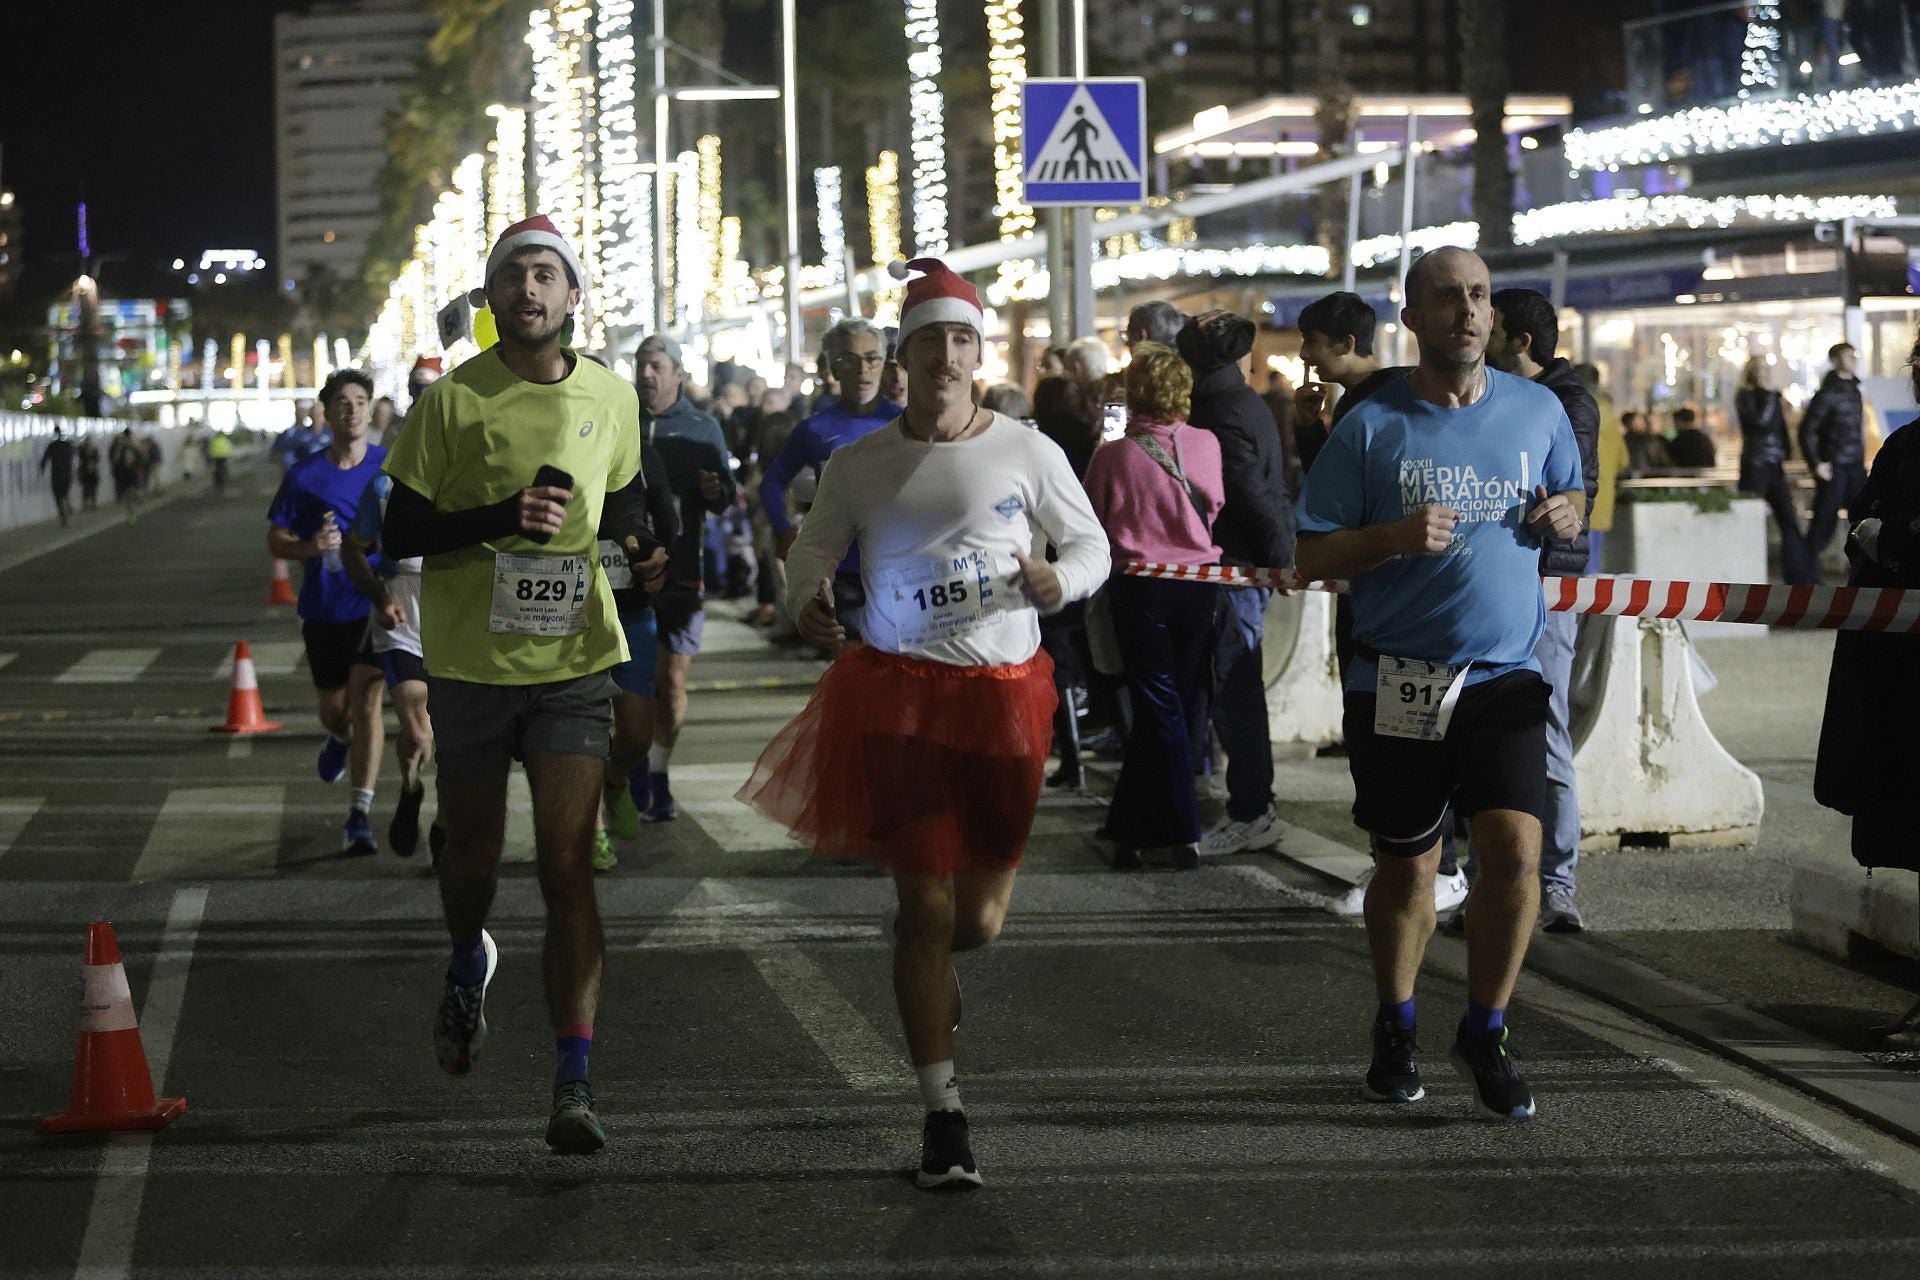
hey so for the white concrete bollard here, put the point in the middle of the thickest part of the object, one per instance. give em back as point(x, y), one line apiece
point(1835, 902)
point(1304, 704)
point(1645, 760)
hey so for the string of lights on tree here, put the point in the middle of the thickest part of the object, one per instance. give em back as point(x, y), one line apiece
point(1744, 126)
point(1006, 72)
point(926, 110)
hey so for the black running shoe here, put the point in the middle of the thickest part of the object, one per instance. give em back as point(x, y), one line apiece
point(946, 1157)
point(436, 844)
point(403, 833)
point(1499, 1091)
point(1394, 1075)
point(460, 1028)
point(574, 1129)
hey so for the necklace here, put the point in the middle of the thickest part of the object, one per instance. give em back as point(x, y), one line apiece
point(914, 434)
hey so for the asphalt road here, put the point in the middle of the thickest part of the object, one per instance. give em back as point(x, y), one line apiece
point(1161, 1069)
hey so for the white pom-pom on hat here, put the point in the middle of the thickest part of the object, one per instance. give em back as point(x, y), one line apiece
point(897, 269)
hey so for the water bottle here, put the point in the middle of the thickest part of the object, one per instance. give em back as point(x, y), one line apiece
point(330, 561)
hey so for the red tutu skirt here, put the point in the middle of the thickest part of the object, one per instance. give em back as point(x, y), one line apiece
point(927, 767)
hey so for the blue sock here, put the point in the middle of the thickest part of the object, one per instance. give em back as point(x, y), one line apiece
point(571, 1046)
point(469, 965)
point(1482, 1023)
point(1400, 1011)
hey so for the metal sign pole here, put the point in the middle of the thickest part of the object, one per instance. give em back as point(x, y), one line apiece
point(1407, 176)
point(660, 162)
point(1059, 327)
point(789, 132)
point(1085, 323)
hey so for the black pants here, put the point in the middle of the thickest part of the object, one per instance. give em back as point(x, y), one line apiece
point(1828, 498)
point(1796, 556)
point(1165, 630)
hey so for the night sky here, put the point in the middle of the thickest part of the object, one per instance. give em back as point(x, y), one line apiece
point(159, 113)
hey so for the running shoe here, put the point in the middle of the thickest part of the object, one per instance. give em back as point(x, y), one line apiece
point(640, 788)
point(574, 1129)
point(1394, 1073)
point(623, 819)
point(356, 837)
point(662, 808)
point(1456, 925)
point(604, 858)
point(403, 833)
point(331, 764)
point(1499, 1090)
point(461, 1027)
point(1354, 901)
point(1449, 891)
point(1126, 857)
point(1230, 837)
point(946, 1156)
point(1186, 857)
point(1558, 912)
point(436, 844)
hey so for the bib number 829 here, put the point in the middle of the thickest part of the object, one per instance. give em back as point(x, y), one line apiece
point(940, 595)
point(551, 589)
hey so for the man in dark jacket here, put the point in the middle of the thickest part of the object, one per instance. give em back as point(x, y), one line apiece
point(1255, 527)
point(1831, 442)
point(1525, 333)
point(59, 459)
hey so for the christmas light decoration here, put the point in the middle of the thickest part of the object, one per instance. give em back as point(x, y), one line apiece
point(832, 223)
point(562, 91)
point(691, 254)
point(883, 222)
point(237, 362)
point(624, 293)
point(286, 360)
point(711, 217)
point(1660, 213)
point(1760, 58)
point(1006, 72)
point(1745, 126)
point(928, 114)
point(506, 170)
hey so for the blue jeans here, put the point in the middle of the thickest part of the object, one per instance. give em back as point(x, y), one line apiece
point(1164, 629)
point(1240, 702)
point(1560, 819)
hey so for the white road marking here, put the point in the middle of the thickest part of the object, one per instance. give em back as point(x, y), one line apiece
point(15, 814)
point(214, 831)
point(5, 658)
point(106, 1250)
point(270, 658)
point(108, 666)
point(241, 748)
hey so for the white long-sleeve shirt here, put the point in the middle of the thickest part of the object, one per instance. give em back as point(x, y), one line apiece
point(938, 526)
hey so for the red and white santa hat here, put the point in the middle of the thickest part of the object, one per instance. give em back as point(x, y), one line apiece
point(938, 296)
point(540, 233)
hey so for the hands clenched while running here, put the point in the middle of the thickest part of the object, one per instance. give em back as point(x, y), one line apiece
point(1425, 531)
point(1038, 581)
point(1556, 514)
point(818, 625)
point(543, 509)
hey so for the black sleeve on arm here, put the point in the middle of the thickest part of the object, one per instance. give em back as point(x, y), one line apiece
point(662, 510)
point(643, 508)
point(414, 527)
point(1810, 428)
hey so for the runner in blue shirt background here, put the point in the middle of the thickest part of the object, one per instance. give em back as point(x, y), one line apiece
point(1432, 496)
point(307, 521)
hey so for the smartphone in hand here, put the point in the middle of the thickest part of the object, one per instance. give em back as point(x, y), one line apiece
point(556, 478)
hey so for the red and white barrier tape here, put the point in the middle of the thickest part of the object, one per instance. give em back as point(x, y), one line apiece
point(1761, 604)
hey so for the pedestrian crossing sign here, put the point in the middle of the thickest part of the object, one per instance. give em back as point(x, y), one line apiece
point(1084, 142)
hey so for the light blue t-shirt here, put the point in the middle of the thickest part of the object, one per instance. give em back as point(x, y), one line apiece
point(1479, 601)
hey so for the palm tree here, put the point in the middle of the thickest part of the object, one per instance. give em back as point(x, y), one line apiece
point(1333, 117)
point(1485, 79)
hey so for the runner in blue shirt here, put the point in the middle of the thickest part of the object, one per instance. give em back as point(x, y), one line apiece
point(1432, 496)
point(310, 514)
point(856, 353)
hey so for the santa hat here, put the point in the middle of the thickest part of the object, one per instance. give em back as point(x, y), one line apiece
point(428, 364)
point(936, 297)
point(537, 232)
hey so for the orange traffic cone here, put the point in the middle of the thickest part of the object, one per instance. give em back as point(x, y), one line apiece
point(281, 592)
point(244, 712)
point(112, 1089)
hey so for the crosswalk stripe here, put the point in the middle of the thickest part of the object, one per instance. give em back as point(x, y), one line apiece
point(5, 658)
point(270, 658)
point(705, 791)
point(221, 831)
point(108, 666)
point(15, 813)
point(723, 635)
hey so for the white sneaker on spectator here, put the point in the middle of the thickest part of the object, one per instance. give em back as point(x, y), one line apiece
point(1448, 893)
point(1262, 832)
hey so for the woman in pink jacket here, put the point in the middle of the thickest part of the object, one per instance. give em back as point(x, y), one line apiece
point(1157, 492)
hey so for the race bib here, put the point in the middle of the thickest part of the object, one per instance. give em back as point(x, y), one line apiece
point(1415, 699)
point(941, 598)
point(613, 563)
point(540, 595)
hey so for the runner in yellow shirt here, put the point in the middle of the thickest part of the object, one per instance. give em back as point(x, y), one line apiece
point(500, 477)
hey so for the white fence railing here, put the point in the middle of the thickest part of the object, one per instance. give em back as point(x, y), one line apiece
point(26, 491)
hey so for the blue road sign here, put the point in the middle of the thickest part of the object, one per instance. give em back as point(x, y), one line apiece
point(1084, 142)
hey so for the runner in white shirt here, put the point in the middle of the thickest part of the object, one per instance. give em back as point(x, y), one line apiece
point(924, 749)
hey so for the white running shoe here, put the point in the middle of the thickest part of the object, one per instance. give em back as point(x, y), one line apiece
point(1354, 901)
point(1236, 837)
point(1449, 891)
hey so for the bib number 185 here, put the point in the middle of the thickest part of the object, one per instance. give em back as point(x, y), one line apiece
point(941, 594)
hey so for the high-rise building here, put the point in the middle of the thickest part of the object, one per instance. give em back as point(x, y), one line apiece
point(338, 69)
point(1232, 50)
point(12, 243)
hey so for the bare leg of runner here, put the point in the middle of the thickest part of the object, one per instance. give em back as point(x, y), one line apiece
point(566, 796)
point(366, 688)
point(1504, 902)
point(416, 731)
point(475, 816)
point(938, 917)
point(671, 712)
point(1400, 920)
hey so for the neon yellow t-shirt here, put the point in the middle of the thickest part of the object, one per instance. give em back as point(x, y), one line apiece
point(477, 436)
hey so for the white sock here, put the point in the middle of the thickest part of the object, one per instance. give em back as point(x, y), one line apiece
point(657, 757)
point(363, 799)
point(939, 1087)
